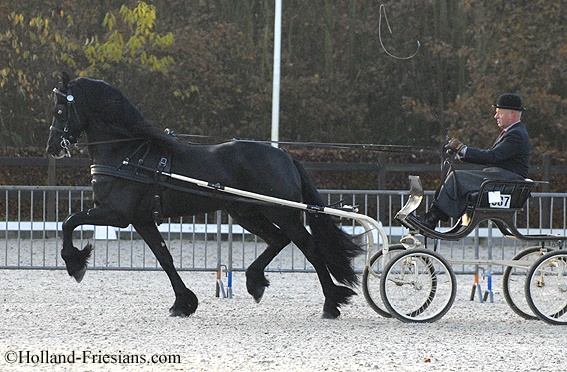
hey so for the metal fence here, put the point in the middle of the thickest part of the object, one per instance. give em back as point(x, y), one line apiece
point(30, 232)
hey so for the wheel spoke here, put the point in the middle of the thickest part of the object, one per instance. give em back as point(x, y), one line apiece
point(546, 287)
point(514, 281)
point(418, 286)
point(371, 278)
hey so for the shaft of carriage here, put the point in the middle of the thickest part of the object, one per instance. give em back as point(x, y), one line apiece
point(368, 224)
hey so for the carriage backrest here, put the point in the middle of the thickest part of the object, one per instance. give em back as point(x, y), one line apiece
point(504, 194)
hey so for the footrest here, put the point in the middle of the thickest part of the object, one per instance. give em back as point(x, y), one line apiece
point(414, 200)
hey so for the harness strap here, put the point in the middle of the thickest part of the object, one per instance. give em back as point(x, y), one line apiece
point(141, 160)
point(141, 173)
point(105, 170)
point(158, 208)
point(163, 176)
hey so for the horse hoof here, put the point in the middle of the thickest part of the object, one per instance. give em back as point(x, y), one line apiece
point(256, 284)
point(330, 315)
point(177, 314)
point(185, 305)
point(258, 293)
point(180, 313)
point(330, 312)
point(79, 275)
point(76, 261)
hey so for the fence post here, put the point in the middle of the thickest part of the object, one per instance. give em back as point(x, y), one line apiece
point(51, 181)
point(546, 201)
point(382, 199)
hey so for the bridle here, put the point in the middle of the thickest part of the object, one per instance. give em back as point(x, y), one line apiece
point(62, 113)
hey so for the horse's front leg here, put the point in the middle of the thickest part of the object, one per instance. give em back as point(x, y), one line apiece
point(186, 301)
point(76, 260)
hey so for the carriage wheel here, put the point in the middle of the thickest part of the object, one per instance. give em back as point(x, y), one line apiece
point(418, 286)
point(371, 278)
point(514, 281)
point(546, 287)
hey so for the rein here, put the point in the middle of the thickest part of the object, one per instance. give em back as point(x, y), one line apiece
point(110, 141)
point(67, 140)
point(331, 145)
point(65, 143)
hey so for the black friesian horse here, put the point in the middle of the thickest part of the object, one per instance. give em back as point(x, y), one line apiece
point(128, 155)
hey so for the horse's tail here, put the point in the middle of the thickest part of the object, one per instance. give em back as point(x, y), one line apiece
point(335, 246)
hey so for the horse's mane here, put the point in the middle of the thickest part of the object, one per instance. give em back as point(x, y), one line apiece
point(114, 113)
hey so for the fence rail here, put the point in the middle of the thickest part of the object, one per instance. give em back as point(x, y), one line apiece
point(30, 232)
point(544, 171)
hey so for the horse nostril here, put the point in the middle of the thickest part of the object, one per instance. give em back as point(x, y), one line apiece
point(50, 150)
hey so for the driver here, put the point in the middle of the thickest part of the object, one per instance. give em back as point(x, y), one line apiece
point(507, 159)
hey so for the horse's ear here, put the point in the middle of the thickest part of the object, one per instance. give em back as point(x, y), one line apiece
point(64, 81)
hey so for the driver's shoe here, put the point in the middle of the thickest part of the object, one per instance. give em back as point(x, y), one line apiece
point(428, 220)
point(431, 218)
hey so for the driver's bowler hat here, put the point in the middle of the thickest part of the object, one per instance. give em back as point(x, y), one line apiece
point(509, 101)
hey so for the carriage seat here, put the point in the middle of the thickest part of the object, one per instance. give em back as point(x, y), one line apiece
point(496, 200)
point(502, 195)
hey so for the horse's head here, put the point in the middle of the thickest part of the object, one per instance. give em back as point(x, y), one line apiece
point(99, 110)
point(66, 126)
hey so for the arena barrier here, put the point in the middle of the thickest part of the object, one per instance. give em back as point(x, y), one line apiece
point(31, 218)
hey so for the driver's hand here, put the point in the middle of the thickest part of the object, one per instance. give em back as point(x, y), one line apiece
point(454, 145)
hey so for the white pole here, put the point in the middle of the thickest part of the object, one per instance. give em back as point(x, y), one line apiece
point(276, 80)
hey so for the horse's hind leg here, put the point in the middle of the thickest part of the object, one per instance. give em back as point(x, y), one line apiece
point(277, 239)
point(335, 295)
point(186, 301)
point(256, 282)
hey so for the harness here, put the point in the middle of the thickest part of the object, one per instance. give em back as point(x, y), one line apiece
point(151, 168)
point(144, 169)
point(62, 112)
point(135, 168)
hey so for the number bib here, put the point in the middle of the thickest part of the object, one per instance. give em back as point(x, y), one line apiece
point(497, 200)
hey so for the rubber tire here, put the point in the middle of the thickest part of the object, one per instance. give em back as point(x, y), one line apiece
point(373, 298)
point(550, 319)
point(425, 255)
point(508, 275)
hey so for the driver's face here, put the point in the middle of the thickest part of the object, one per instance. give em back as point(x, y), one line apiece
point(505, 117)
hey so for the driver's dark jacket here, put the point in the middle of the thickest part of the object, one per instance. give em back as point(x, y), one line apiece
point(507, 159)
point(511, 151)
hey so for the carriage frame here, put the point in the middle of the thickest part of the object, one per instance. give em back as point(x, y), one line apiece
point(419, 285)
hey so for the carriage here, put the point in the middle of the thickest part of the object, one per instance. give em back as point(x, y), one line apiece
point(141, 175)
point(416, 284)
